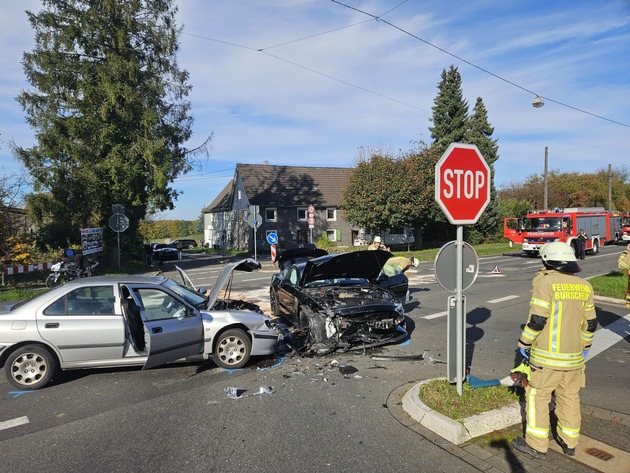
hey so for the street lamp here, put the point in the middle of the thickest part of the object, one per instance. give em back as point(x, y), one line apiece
point(538, 102)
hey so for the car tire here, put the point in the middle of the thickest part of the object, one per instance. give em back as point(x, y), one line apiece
point(232, 349)
point(275, 304)
point(30, 367)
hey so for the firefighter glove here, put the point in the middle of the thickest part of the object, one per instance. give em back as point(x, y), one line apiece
point(585, 353)
point(520, 374)
point(524, 352)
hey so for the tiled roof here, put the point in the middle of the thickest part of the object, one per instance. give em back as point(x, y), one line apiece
point(267, 184)
point(223, 201)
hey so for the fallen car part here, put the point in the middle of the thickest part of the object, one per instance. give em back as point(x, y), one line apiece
point(237, 393)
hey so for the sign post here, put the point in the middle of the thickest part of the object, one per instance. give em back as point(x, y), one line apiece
point(272, 239)
point(462, 190)
point(254, 220)
point(311, 220)
point(119, 223)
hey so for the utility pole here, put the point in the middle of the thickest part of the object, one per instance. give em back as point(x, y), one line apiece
point(545, 179)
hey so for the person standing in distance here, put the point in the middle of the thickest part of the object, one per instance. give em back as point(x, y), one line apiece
point(377, 244)
point(580, 240)
point(556, 339)
point(624, 264)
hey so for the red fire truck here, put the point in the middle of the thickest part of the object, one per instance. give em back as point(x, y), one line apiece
point(545, 226)
point(625, 227)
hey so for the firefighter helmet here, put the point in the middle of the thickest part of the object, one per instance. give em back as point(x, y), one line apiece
point(559, 255)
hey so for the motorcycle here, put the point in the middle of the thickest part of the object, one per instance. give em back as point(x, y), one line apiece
point(67, 270)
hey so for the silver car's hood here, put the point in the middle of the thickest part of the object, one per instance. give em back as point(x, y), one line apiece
point(247, 265)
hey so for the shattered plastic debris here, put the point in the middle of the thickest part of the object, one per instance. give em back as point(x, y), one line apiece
point(236, 393)
point(425, 356)
point(347, 369)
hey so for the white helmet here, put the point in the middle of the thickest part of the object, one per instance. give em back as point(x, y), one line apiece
point(377, 239)
point(559, 255)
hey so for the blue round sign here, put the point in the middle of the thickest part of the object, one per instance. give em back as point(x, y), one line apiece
point(272, 238)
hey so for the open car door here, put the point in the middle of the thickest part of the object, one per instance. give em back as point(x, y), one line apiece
point(173, 329)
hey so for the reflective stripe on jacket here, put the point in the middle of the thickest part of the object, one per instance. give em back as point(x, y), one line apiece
point(562, 306)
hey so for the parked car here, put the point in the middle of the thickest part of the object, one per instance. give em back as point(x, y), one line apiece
point(337, 300)
point(110, 321)
point(163, 252)
point(186, 243)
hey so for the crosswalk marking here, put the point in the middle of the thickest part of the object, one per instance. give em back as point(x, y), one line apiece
point(502, 299)
point(7, 424)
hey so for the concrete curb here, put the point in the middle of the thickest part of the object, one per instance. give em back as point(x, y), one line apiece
point(454, 431)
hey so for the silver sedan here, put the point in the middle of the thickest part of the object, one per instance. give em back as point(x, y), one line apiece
point(113, 321)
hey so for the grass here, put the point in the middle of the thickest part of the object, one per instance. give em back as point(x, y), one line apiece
point(19, 294)
point(441, 396)
point(613, 284)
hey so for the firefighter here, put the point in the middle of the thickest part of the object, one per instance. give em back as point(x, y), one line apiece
point(377, 244)
point(624, 264)
point(555, 341)
point(580, 244)
point(400, 264)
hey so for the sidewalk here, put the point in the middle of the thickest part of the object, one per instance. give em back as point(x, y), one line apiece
point(604, 444)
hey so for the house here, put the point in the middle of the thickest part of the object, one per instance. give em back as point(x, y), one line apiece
point(280, 196)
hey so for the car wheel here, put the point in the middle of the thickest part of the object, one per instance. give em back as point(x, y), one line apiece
point(30, 367)
point(275, 305)
point(233, 349)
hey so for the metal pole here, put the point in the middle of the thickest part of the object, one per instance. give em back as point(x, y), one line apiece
point(610, 187)
point(461, 334)
point(118, 238)
point(545, 178)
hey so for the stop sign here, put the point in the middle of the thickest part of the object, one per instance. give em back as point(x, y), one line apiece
point(462, 183)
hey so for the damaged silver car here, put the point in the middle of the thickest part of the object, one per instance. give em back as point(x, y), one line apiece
point(335, 301)
point(147, 321)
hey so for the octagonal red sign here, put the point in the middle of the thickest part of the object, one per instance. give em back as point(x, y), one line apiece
point(462, 183)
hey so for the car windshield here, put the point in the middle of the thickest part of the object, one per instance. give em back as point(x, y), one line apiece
point(338, 282)
point(194, 298)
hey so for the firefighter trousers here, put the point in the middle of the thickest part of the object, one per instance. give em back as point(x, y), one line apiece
point(566, 384)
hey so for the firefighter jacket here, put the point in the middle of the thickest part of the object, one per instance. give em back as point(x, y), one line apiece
point(624, 261)
point(561, 321)
point(396, 265)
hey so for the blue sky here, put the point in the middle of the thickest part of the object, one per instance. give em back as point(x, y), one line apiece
point(313, 82)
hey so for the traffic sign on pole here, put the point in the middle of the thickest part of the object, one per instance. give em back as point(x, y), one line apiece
point(462, 183)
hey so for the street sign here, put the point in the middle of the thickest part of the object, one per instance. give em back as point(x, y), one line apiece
point(118, 222)
point(254, 220)
point(462, 183)
point(272, 238)
point(446, 266)
point(311, 209)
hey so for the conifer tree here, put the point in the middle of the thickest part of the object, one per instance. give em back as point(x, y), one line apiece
point(109, 110)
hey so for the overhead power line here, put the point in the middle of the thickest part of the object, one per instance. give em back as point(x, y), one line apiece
point(459, 58)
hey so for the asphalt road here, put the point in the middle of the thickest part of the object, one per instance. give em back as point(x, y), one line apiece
point(330, 413)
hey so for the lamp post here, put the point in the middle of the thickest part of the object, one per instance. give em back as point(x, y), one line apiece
point(538, 102)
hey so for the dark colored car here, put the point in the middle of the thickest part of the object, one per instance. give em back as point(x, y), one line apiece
point(338, 301)
point(186, 243)
point(164, 251)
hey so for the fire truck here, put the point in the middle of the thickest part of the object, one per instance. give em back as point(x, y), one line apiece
point(625, 227)
point(545, 226)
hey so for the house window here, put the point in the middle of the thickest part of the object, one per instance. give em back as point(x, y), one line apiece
point(302, 214)
point(271, 215)
point(331, 213)
point(332, 235)
point(239, 194)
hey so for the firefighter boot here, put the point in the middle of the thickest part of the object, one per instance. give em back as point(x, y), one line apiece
point(565, 448)
point(520, 444)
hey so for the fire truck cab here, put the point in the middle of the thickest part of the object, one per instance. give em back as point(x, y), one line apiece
point(541, 227)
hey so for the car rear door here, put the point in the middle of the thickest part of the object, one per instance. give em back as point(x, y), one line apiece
point(174, 328)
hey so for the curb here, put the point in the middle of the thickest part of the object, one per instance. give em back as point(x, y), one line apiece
point(454, 431)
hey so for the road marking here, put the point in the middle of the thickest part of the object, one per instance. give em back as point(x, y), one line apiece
point(256, 279)
point(607, 336)
point(434, 316)
point(7, 424)
point(502, 299)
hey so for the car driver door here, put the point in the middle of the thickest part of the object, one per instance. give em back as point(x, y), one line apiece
point(174, 329)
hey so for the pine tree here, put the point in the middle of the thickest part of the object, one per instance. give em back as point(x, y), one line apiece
point(480, 134)
point(108, 106)
point(450, 112)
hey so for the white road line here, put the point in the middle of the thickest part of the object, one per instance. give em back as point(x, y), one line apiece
point(267, 278)
point(7, 424)
point(502, 299)
point(607, 336)
point(434, 316)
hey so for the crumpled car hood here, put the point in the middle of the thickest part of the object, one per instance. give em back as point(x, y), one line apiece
point(356, 264)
